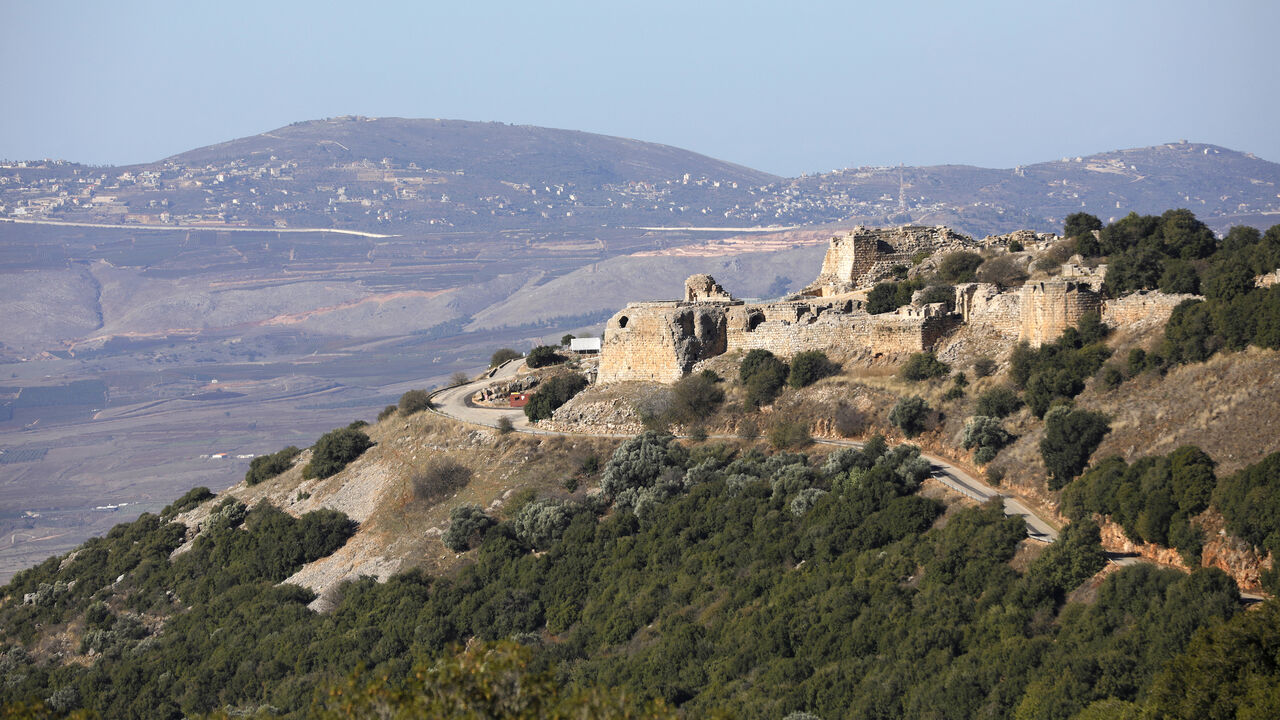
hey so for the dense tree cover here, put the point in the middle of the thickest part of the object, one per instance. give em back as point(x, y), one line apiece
point(809, 367)
point(1080, 225)
point(265, 467)
point(484, 681)
point(552, 394)
point(544, 355)
point(923, 366)
point(763, 375)
point(1070, 437)
point(1153, 499)
point(761, 585)
point(189, 500)
point(1197, 329)
point(220, 599)
point(1058, 370)
point(1249, 500)
point(1174, 252)
point(334, 450)
point(1229, 671)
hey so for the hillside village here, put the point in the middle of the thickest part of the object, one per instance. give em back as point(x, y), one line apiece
point(390, 175)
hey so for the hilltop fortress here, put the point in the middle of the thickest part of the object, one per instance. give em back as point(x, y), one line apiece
point(662, 341)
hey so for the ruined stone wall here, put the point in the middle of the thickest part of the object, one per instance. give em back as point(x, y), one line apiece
point(1141, 309)
point(660, 342)
point(788, 328)
point(984, 305)
point(902, 333)
point(1049, 307)
point(704, 288)
point(865, 255)
point(843, 328)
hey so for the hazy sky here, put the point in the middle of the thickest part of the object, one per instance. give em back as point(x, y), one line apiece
point(787, 87)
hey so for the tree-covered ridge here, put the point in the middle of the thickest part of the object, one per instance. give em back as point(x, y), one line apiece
point(716, 580)
point(1177, 253)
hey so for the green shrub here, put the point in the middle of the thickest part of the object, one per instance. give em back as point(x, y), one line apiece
point(542, 522)
point(1058, 370)
point(809, 367)
point(503, 355)
point(467, 525)
point(959, 266)
point(1080, 225)
point(763, 375)
point(752, 362)
point(889, 296)
point(998, 402)
point(1070, 437)
point(693, 398)
point(552, 394)
point(334, 450)
point(505, 425)
point(1111, 377)
point(638, 462)
point(787, 434)
point(910, 415)
point(1005, 271)
point(945, 294)
point(922, 366)
point(984, 367)
point(189, 499)
point(438, 478)
point(803, 502)
point(987, 435)
point(386, 412)
point(1015, 246)
point(265, 467)
point(566, 339)
point(415, 401)
point(544, 355)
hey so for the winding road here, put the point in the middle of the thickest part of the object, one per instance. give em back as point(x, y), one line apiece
point(454, 402)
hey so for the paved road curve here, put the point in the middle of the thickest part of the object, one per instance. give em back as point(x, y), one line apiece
point(455, 403)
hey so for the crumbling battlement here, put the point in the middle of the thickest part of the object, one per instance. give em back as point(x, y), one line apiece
point(984, 305)
point(1049, 307)
point(704, 288)
point(661, 341)
point(866, 255)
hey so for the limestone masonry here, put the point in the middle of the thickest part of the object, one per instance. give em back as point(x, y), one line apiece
point(662, 341)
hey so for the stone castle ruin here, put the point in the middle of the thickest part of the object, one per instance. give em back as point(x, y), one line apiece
point(865, 255)
point(663, 341)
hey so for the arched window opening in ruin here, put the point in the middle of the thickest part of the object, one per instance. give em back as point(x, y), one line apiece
point(622, 321)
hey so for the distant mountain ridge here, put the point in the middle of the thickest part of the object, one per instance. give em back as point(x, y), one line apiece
point(518, 153)
point(415, 177)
